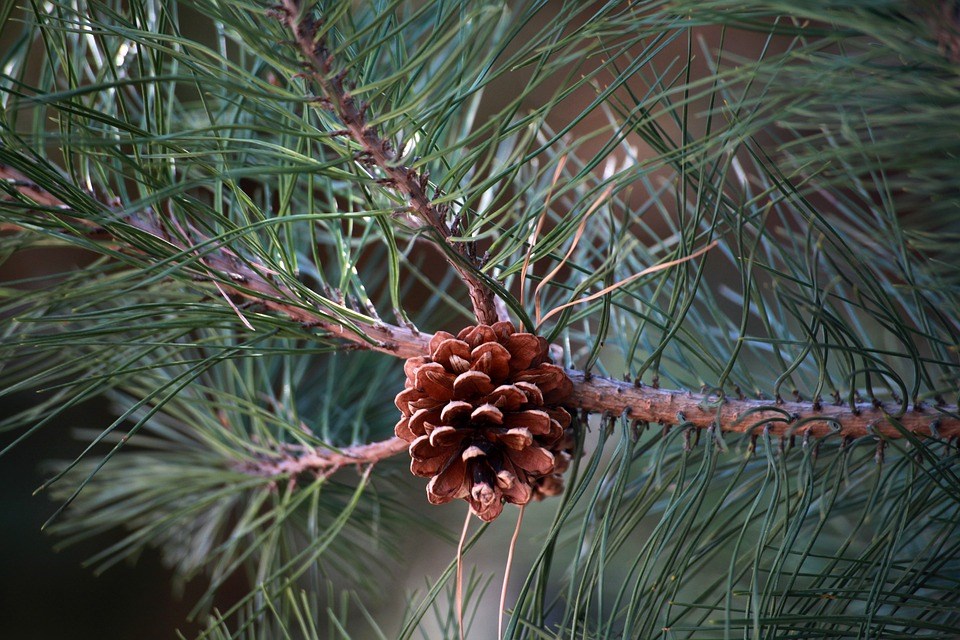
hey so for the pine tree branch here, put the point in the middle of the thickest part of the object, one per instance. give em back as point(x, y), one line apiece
point(591, 393)
point(677, 409)
point(379, 152)
point(245, 280)
point(746, 415)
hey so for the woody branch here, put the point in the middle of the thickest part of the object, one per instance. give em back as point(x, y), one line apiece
point(377, 151)
point(295, 461)
point(591, 393)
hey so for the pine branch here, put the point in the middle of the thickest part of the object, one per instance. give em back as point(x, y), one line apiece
point(855, 419)
point(591, 393)
point(379, 152)
point(244, 280)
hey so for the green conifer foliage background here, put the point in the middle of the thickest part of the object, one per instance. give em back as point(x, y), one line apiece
point(736, 222)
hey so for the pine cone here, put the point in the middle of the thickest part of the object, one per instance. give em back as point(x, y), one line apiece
point(483, 418)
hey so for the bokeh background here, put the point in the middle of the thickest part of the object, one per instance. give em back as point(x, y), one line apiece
point(45, 591)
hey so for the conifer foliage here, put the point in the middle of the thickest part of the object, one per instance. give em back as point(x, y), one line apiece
point(687, 268)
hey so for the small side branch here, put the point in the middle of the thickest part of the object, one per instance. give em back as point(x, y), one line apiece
point(243, 279)
point(377, 151)
point(294, 462)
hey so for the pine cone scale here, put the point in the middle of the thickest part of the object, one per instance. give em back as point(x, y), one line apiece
point(537, 421)
point(455, 410)
point(515, 438)
point(507, 397)
point(449, 484)
point(536, 460)
point(402, 430)
point(471, 384)
point(487, 413)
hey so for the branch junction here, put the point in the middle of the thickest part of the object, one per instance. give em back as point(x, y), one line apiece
point(640, 403)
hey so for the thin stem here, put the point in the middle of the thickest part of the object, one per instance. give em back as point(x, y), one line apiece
point(573, 245)
point(532, 242)
point(459, 596)
point(506, 572)
point(297, 461)
point(617, 285)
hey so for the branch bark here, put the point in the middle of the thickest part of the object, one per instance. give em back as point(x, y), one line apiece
point(378, 151)
point(687, 409)
point(294, 462)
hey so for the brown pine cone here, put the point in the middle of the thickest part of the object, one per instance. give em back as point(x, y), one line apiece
point(483, 418)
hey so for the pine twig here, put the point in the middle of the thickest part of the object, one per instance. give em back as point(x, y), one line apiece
point(683, 408)
point(378, 151)
point(245, 280)
point(298, 461)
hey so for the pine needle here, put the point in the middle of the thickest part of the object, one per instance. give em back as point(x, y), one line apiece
point(625, 281)
point(531, 243)
point(573, 245)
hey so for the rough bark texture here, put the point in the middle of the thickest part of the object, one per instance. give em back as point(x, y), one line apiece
point(671, 407)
